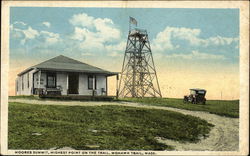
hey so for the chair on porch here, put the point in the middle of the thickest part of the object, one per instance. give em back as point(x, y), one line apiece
point(103, 91)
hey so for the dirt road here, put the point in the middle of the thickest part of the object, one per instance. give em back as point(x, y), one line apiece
point(224, 136)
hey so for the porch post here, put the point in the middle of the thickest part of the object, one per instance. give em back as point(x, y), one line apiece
point(93, 85)
point(67, 83)
point(39, 82)
point(117, 91)
point(39, 79)
point(106, 85)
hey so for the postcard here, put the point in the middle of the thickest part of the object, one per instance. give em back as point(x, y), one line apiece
point(125, 78)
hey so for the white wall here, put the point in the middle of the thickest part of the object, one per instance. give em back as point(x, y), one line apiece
point(18, 85)
point(61, 80)
point(101, 83)
point(24, 80)
point(83, 84)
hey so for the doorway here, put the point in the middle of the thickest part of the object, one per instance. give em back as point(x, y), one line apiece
point(73, 83)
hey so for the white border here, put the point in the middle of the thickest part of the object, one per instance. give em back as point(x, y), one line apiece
point(244, 58)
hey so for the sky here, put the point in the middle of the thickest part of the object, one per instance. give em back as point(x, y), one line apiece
point(192, 48)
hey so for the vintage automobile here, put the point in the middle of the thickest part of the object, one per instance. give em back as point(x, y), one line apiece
point(196, 96)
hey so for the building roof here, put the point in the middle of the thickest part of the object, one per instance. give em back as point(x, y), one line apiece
point(63, 63)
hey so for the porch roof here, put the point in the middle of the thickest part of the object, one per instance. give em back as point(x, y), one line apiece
point(63, 63)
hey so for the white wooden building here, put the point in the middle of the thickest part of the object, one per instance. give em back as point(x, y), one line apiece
point(65, 75)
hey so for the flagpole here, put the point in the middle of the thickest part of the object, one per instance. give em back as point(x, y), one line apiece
point(129, 25)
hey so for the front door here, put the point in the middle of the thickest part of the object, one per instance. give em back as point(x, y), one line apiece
point(73, 83)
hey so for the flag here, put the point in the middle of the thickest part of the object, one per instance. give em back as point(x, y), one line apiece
point(132, 21)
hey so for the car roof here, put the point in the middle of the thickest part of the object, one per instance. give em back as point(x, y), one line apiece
point(197, 89)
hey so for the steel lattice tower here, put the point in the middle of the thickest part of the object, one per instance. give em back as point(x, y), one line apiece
point(138, 75)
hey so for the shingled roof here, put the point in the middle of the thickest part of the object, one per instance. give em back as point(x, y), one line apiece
point(63, 63)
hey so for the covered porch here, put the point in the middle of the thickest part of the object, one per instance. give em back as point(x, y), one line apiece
point(72, 84)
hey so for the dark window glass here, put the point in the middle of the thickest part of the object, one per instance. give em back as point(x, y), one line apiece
point(91, 81)
point(51, 80)
point(95, 82)
point(201, 92)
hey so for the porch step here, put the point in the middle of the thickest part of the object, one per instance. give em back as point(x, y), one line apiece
point(78, 97)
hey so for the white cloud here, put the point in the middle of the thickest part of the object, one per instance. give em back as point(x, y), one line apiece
point(101, 30)
point(80, 33)
point(20, 23)
point(164, 40)
point(25, 34)
point(50, 38)
point(197, 55)
point(218, 40)
point(82, 20)
point(30, 33)
point(106, 29)
point(16, 29)
point(95, 34)
point(190, 35)
point(87, 54)
point(16, 33)
point(47, 24)
point(88, 40)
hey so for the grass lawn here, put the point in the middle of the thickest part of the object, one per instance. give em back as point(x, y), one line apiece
point(99, 127)
point(219, 107)
point(30, 97)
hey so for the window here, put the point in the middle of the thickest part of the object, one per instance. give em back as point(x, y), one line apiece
point(91, 81)
point(22, 83)
point(28, 80)
point(51, 80)
point(201, 92)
